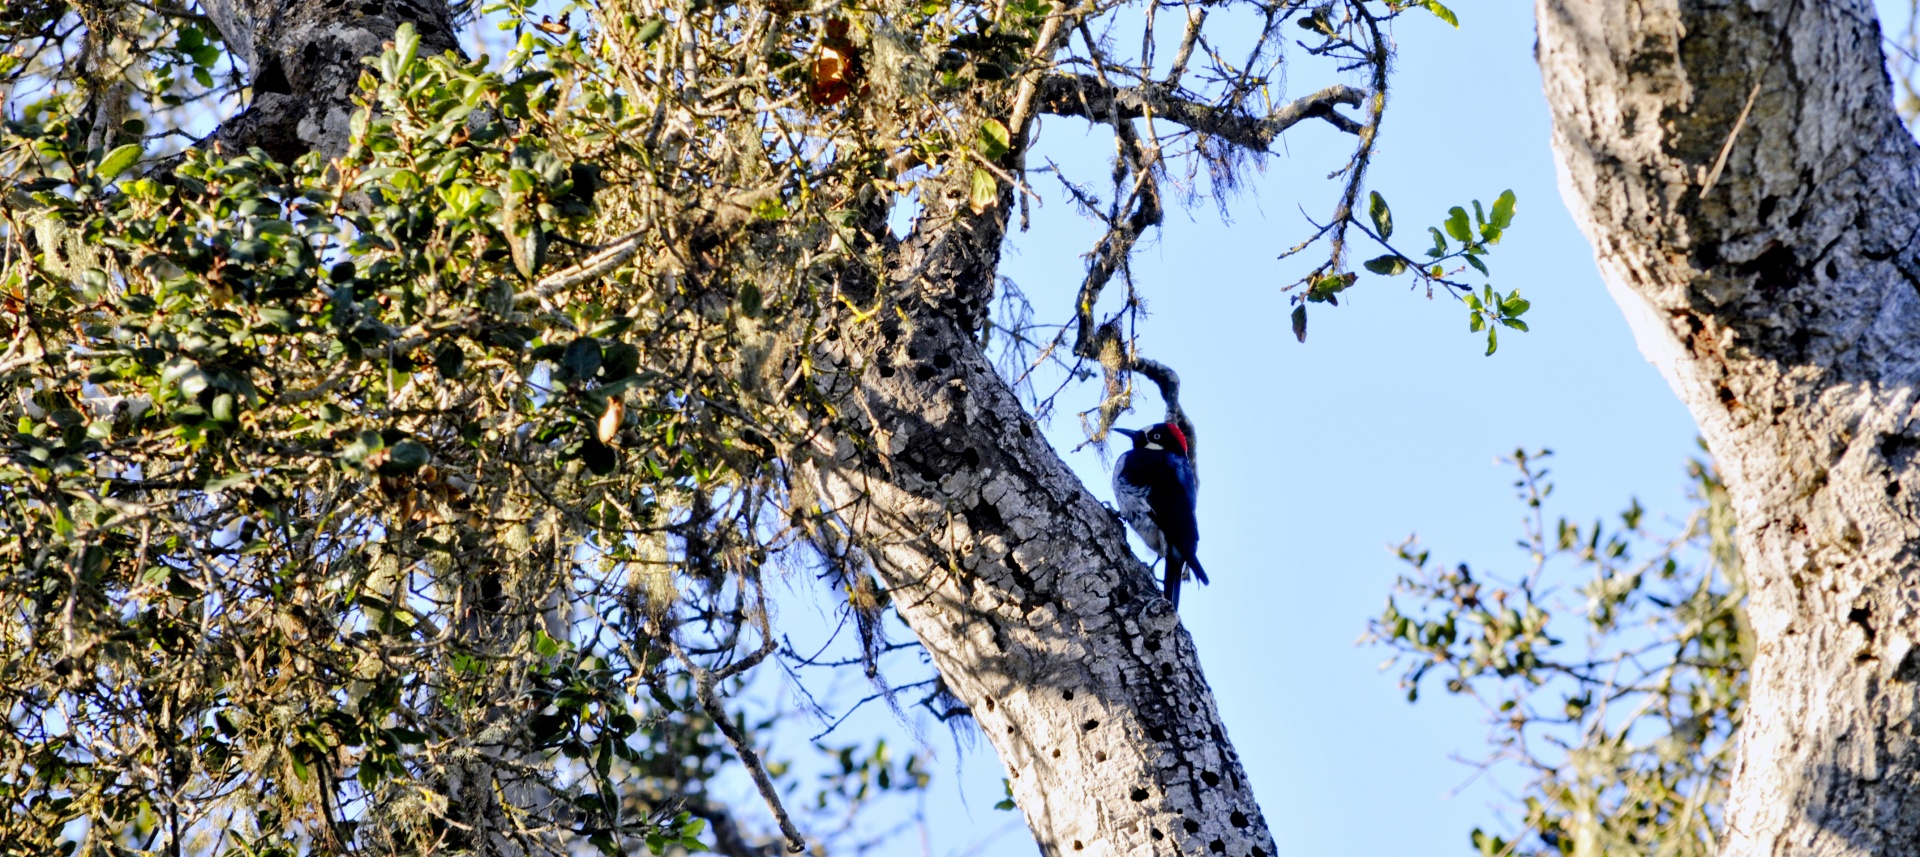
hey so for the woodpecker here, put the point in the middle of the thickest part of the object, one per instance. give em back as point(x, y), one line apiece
point(1155, 486)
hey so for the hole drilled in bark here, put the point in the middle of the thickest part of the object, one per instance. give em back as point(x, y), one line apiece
point(1863, 616)
point(1067, 694)
point(1077, 846)
point(1775, 270)
point(1100, 756)
point(1155, 833)
point(1056, 752)
point(1217, 847)
point(273, 78)
point(1210, 778)
point(1090, 725)
point(1191, 826)
point(1138, 794)
point(1238, 818)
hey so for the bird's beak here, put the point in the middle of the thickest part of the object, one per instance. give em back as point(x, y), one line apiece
point(1127, 432)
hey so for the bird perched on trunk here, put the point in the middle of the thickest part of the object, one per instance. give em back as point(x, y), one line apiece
point(1155, 486)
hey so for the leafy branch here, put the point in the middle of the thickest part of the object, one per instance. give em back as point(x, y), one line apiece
point(1485, 311)
point(1627, 738)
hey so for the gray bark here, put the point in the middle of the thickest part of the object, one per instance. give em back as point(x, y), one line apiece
point(304, 59)
point(1783, 304)
point(1019, 582)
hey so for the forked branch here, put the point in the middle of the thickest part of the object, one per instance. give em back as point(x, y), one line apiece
point(1087, 97)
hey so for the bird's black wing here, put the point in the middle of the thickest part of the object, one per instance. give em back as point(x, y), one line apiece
point(1173, 510)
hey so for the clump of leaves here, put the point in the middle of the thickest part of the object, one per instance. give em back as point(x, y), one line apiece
point(342, 498)
point(428, 493)
point(1476, 238)
point(1627, 733)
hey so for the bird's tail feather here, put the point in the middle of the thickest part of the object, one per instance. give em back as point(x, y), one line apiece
point(1171, 583)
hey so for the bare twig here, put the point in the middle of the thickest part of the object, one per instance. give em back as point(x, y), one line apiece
point(705, 682)
point(610, 257)
point(1082, 95)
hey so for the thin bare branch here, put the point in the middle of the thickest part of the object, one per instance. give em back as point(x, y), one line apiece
point(1063, 94)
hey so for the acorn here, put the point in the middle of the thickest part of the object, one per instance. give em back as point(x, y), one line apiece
point(609, 426)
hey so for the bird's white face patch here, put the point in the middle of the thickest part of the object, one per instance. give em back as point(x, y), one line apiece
point(1154, 446)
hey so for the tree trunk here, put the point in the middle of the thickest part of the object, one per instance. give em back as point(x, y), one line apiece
point(1019, 582)
point(304, 59)
point(1780, 294)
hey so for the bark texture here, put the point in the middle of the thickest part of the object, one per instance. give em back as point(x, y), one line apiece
point(304, 59)
point(1019, 582)
point(1781, 297)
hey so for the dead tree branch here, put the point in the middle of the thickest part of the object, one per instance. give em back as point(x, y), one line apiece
point(1085, 96)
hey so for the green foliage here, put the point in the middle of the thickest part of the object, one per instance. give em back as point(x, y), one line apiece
point(330, 513)
point(1438, 10)
point(1355, 28)
point(1475, 237)
point(1006, 803)
point(1628, 737)
point(393, 501)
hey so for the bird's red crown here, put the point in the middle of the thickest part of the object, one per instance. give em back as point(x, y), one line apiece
point(1179, 436)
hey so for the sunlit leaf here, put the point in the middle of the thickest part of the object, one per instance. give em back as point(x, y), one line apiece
point(1382, 217)
point(1441, 12)
point(1388, 265)
point(994, 139)
point(118, 161)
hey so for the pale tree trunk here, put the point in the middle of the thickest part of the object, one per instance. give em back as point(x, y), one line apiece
point(1783, 304)
point(1018, 580)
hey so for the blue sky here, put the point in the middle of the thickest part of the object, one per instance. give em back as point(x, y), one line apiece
point(1386, 422)
point(1314, 458)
